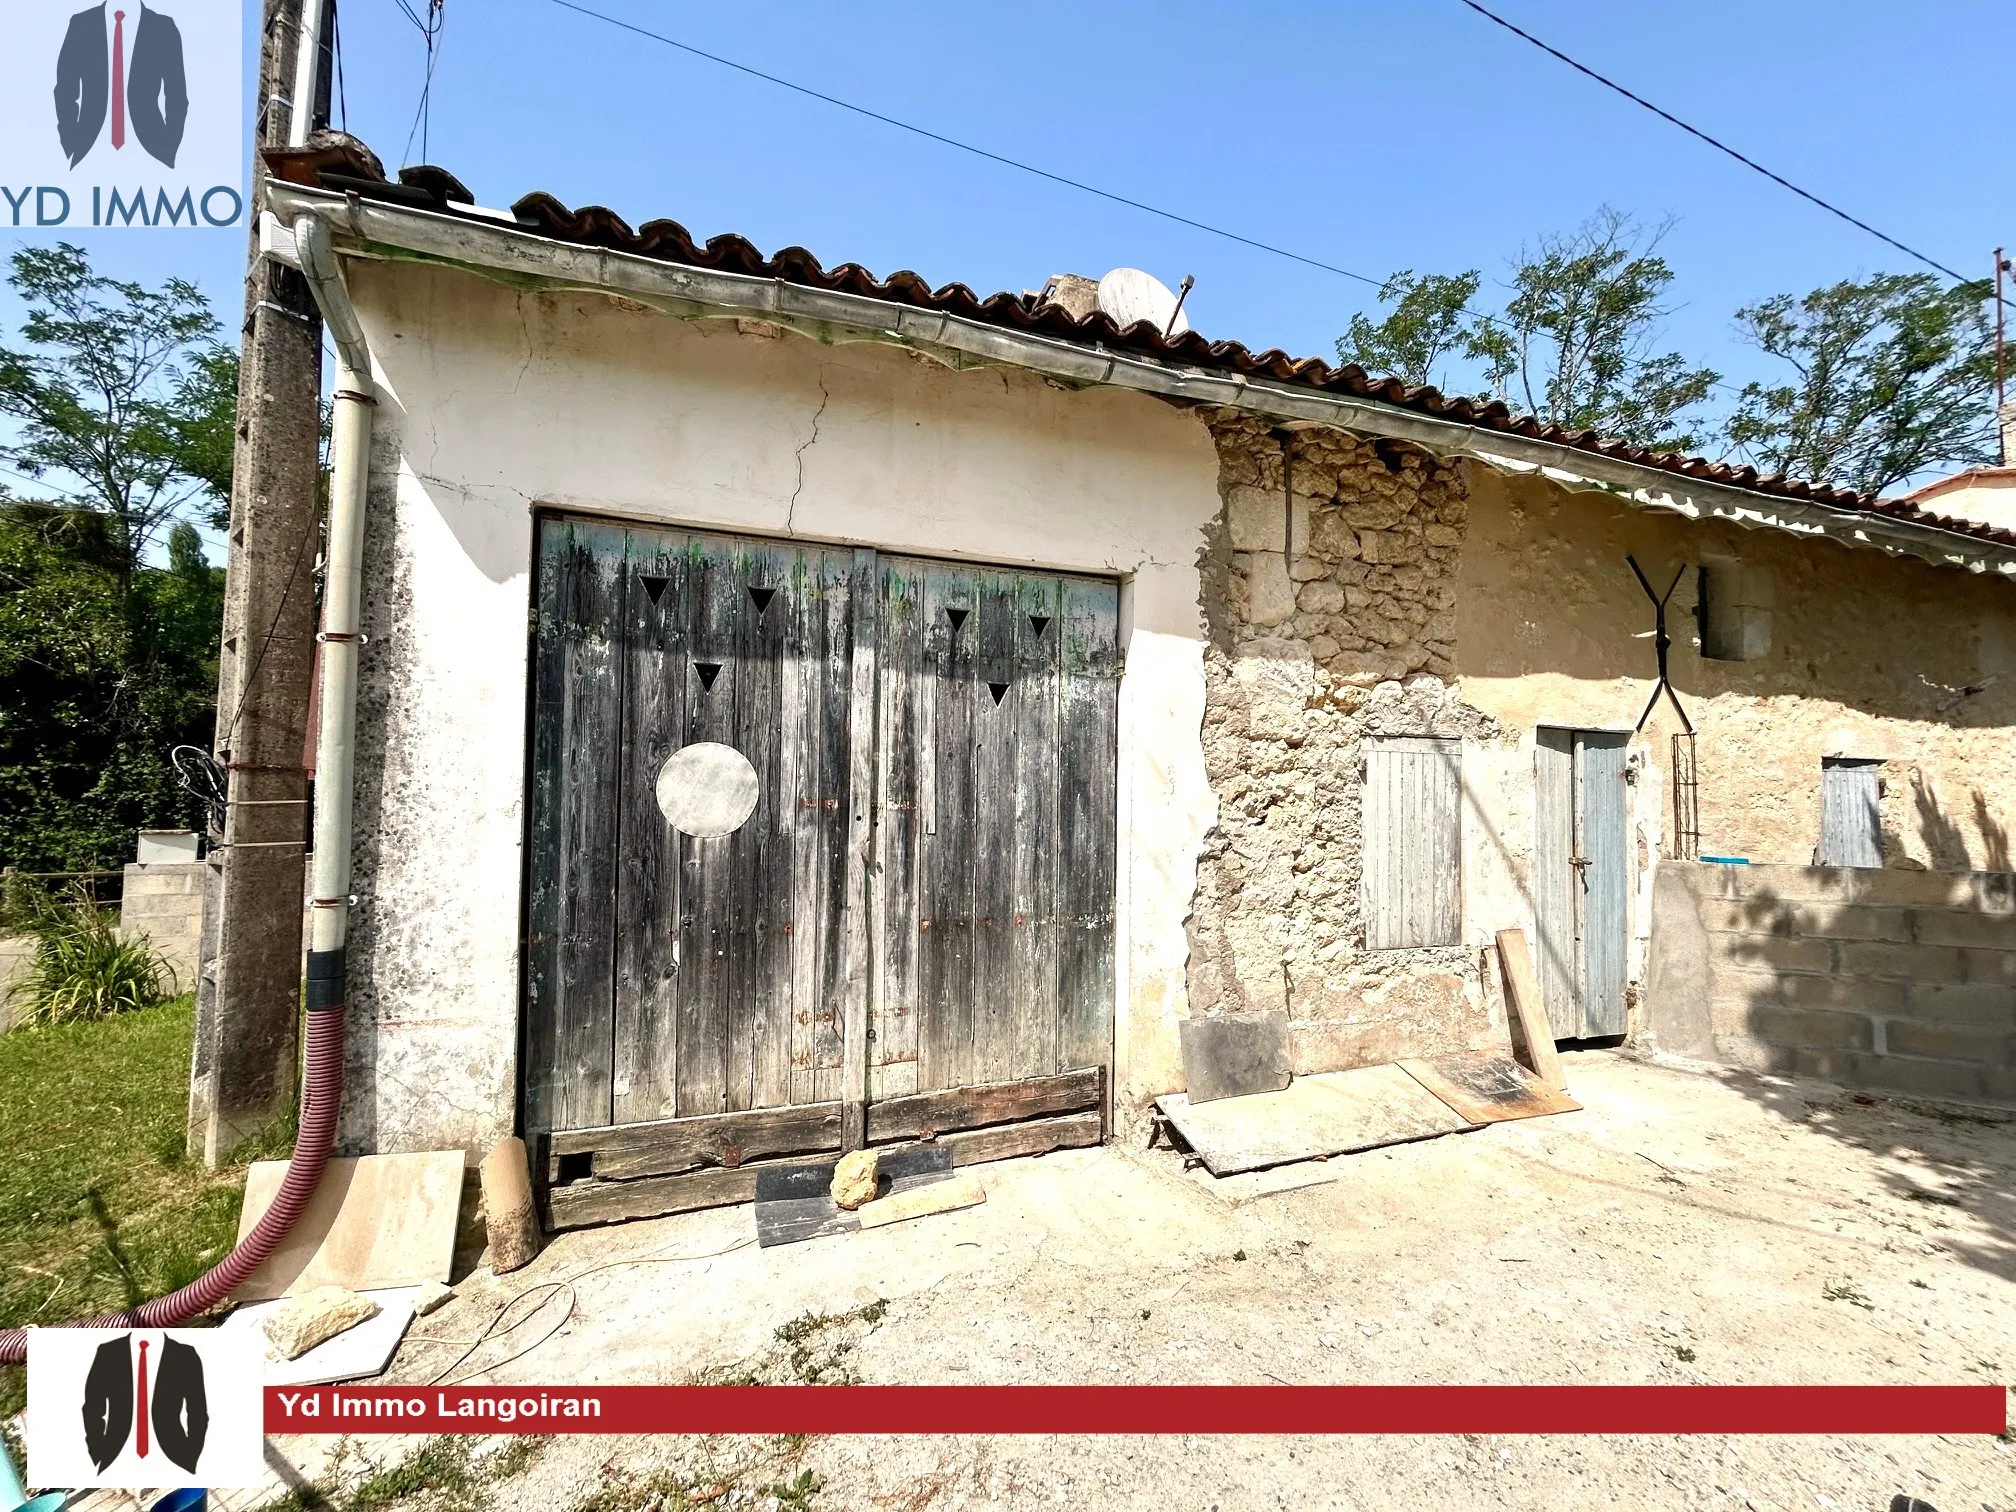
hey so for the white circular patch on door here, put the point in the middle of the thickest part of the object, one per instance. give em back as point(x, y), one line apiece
point(707, 790)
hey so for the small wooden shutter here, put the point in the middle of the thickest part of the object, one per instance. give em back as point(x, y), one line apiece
point(1413, 879)
point(1851, 814)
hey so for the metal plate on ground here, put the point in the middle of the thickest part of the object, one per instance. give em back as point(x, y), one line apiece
point(1487, 1088)
point(795, 1202)
point(1234, 1056)
point(1330, 1114)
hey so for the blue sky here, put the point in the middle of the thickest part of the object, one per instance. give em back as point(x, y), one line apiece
point(1376, 136)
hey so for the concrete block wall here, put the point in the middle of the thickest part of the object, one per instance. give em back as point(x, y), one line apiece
point(17, 952)
point(1899, 980)
point(164, 901)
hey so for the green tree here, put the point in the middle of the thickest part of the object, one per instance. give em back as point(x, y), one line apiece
point(1574, 343)
point(99, 681)
point(1429, 323)
point(122, 407)
point(122, 398)
point(1891, 377)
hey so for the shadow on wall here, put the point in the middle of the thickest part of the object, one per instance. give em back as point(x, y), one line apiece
point(1944, 840)
point(1915, 1001)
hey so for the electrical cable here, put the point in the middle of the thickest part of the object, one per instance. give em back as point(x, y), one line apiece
point(1015, 163)
point(430, 33)
point(552, 1290)
point(1723, 147)
point(992, 157)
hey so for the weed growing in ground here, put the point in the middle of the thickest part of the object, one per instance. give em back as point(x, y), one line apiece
point(1683, 1354)
point(445, 1474)
point(1845, 1291)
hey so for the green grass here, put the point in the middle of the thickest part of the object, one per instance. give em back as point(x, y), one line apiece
point(99, 1206)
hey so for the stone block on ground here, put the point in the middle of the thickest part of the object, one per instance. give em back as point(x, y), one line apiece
point(854, 1179)
point(315, 1317)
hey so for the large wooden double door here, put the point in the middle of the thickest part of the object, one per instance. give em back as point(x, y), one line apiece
point(909, 932)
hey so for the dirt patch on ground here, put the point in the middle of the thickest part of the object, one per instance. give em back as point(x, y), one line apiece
point(1687, 1227)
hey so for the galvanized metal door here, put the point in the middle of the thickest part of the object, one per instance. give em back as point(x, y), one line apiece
point(921, 897)
point(1851, 813)
point(1582, 880)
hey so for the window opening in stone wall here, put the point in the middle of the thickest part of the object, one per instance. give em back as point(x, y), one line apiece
point(1412, 884)
point(1733, 606)
point(1851, 813)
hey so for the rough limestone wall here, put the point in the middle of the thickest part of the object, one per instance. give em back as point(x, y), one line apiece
point(1331, 617)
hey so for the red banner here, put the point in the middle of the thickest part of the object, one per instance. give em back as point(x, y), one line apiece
point(1137, 1409)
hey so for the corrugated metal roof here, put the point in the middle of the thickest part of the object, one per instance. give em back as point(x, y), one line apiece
point(667, 240)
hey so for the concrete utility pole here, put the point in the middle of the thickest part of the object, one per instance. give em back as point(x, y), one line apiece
point(248, 994)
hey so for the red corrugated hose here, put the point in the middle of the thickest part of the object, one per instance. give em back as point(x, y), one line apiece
point(321, 1092)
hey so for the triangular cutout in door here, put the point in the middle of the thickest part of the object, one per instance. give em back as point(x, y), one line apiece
point(654, 586)
point(708, 672)
point(761, 597)
point(1039, 623)
point(999, 690)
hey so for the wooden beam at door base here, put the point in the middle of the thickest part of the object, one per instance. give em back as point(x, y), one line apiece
point(581, 1204)
point(715, 1139)
point(974, 1107)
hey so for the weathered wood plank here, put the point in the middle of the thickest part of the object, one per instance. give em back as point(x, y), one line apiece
point(766, 582)
point(900, 738)
point(1040, 766)
point(1522, 991)
point(1037, 1137)
point(571, 918)
point(974, 1107)
point(835, 712)
point(1603, 833)
point(712, 676)
point(668, 1146)
point(1087, 822)
point(998, 700)
point(1555, 908)
point(857, 915)
point(945, 895)
point(583, 1204)
point(648, 904)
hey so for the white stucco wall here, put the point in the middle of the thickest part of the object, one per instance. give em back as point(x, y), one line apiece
point(493, 404)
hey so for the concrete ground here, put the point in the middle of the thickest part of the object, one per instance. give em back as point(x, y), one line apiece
point(1688, 1226)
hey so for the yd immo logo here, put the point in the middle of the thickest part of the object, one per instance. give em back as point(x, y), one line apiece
point(145, 1407)
point(122, 1403)
point(122, 114)
point(147, 86)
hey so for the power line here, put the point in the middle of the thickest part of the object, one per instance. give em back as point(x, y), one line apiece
point(1723, 147)
point(982, 152)
point(1015, 163)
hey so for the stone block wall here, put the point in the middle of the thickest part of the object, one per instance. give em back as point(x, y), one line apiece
point(1329, 594)
point(1899, 980)
point(164, 901)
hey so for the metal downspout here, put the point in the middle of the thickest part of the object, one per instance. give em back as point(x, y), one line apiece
point(335, 743)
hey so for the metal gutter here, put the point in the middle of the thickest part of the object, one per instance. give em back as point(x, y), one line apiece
point(524, 259)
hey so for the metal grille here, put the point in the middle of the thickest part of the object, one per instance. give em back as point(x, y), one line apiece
point(1686, 799)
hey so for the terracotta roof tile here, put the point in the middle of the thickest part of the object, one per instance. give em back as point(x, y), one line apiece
point(598, 226)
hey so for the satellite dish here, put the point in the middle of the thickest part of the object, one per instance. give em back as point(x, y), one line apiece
point(1127, 295)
